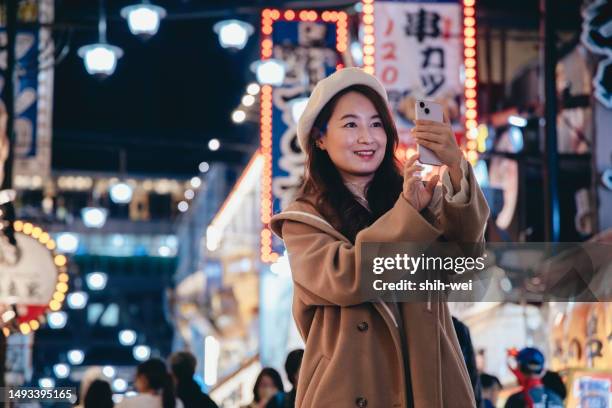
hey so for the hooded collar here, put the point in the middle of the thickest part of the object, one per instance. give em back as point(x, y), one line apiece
point(306, 213)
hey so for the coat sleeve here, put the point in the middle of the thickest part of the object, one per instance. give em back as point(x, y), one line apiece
point(462, 216)
point(326, 270)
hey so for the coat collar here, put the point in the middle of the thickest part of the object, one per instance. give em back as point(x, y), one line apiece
point(307, 214)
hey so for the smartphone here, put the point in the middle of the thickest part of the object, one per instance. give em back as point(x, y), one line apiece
point(428, 110)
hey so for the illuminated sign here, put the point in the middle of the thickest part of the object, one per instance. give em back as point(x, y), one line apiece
point(33, 279)
point(310, 43)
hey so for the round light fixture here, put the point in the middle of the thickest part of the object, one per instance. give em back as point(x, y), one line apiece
point(76, 357)
point(77, 300)
point(143, 19)
point(182, 207)
point(233, 33)
point(61, 370)
point(67, 242)
point(120, 385)
point(57, 320)
point(248, 100)
point(100, 58)
point(141, 353)
point(253, 88)
point(204, 167)
point(196, 182)
point(94, 217)
point(269, 72)
point(127, 337)
point(96, 280)
point(108, 371)
point(46, 382)
point(121, 193)
point(238, 116)
point(214, 144)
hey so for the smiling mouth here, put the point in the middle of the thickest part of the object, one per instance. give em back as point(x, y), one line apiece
point(365, 153)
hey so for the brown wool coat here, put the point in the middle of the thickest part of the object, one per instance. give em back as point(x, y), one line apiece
point(353, 356)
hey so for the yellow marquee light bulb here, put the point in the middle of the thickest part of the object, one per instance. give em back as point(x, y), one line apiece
point(25, 328)
point(54, 305)
point(60, 260)
point(34, 324)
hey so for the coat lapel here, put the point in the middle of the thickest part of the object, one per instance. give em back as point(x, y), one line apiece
point(314, 220)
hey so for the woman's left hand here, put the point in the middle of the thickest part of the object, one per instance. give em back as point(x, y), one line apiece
point(439, 138)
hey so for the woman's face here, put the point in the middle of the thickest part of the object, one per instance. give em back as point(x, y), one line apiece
point(266, 387)
point(355, 138)
point(141, 383)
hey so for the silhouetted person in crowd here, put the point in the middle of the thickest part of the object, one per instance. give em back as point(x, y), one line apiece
point(554, 382)
point(99, 395)
point(491, 386)
point(182, 367)
point(529, 372)
point(467, 349)
point(155, 387)
point(267, 385)
point(89, 376)
point(292, 368)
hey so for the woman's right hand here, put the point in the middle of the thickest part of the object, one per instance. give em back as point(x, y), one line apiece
point(415, 192)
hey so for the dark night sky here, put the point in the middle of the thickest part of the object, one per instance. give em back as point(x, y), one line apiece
point(167, 98)
point(173, 93)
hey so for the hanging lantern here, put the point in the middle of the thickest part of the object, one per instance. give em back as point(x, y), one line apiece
point(143, 19)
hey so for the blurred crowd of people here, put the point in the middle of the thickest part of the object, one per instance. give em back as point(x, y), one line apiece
point(158, 385)
point(172, 385)
point(268, 390)
point(539, 388)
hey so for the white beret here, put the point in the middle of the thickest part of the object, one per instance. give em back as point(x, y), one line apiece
point(326, 89)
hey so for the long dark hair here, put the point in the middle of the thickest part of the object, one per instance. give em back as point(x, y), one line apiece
point(154, 370)
point(99, 395)
point(267, 372)
point(323, 180)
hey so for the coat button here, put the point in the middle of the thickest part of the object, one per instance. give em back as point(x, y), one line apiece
point(363, 326)
point(361, 402)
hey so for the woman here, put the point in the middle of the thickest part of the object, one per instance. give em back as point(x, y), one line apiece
point(267, 384)
point(361, 353)
point(155, 387)
point(99, 395)
point(89, 377)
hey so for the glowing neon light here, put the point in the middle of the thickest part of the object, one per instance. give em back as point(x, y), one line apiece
point(268, 18)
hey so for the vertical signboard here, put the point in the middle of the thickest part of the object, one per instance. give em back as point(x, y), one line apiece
point(310, 43)
point(33, 279)
point(425, 49)
point(33, 89)
point(418, 47)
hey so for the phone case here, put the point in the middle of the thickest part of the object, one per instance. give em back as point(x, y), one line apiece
point(428, 110)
